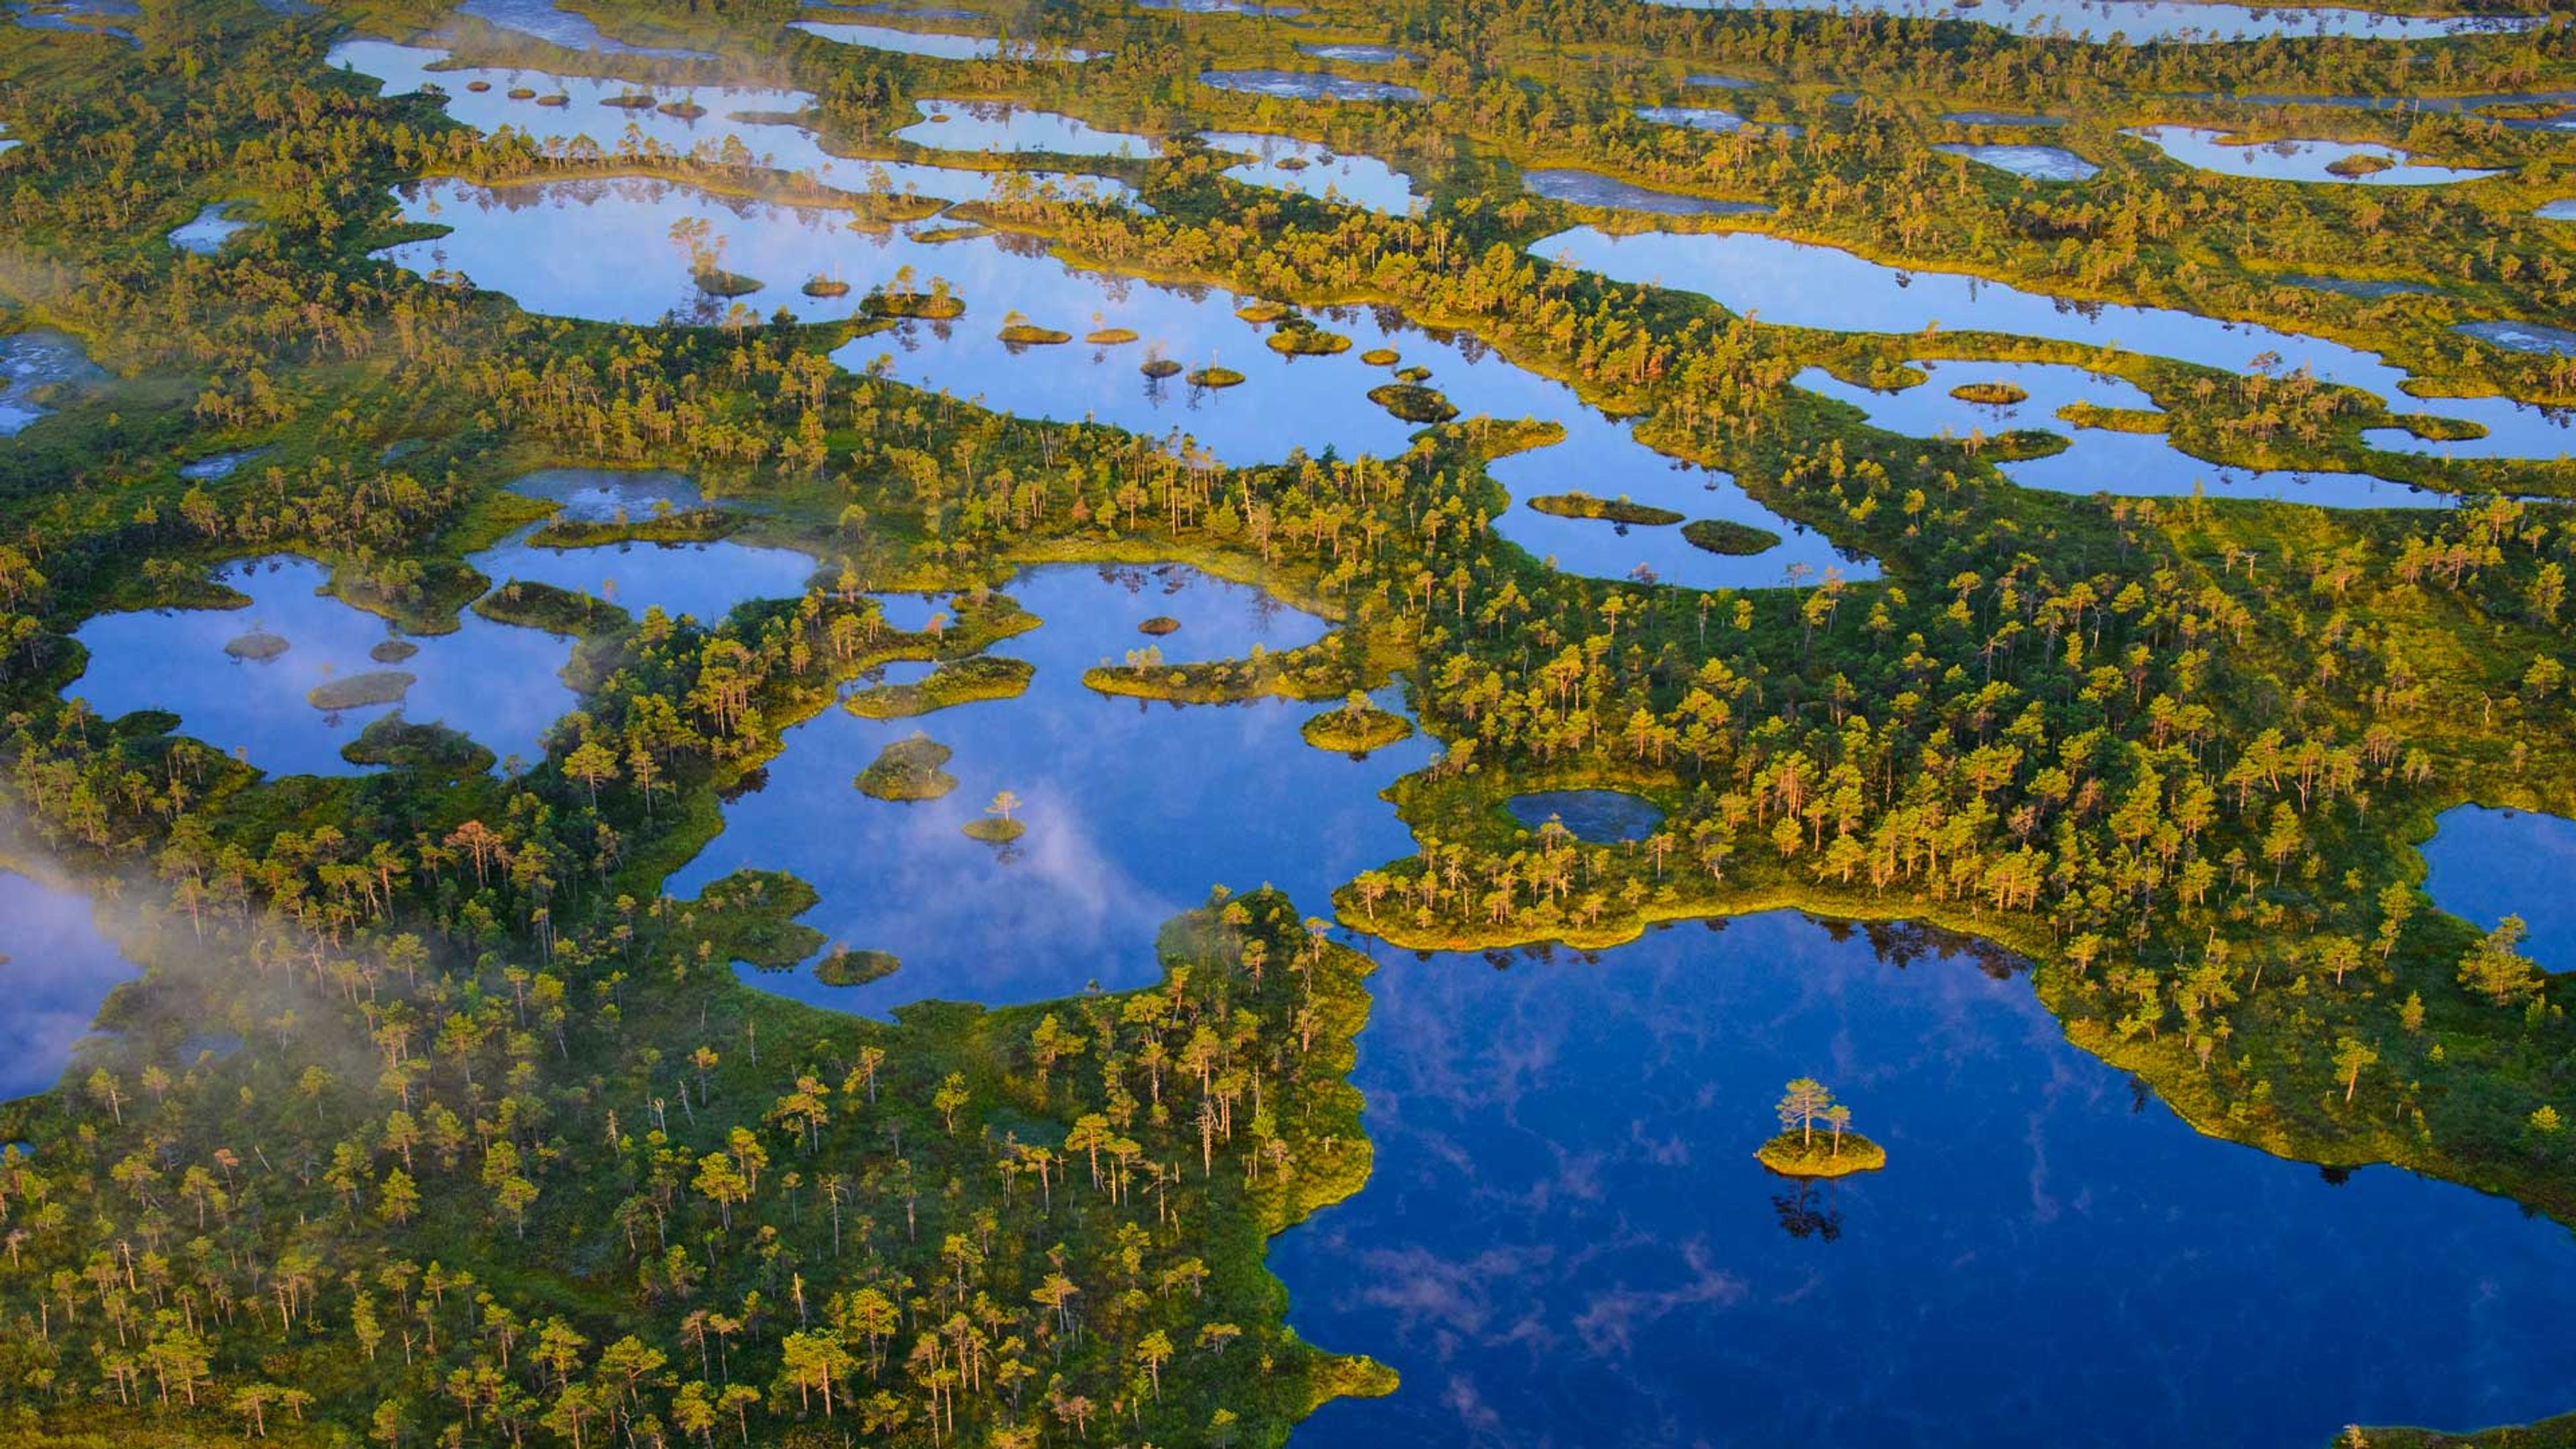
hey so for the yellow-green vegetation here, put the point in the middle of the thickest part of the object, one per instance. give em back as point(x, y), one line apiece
point(1412, 402)
point(1793, 1154)
point(1214, 376)
point(954, 682)
point(994, 829)
point(258, 644)
point(1298, 337)
point(555, 610)
point(2360, 163)
point(1815, 1138)
point(2557, 1433)
point(1381, 357)
point(2117, 420)
point(717, 282)
point(432, 749)
point(908, 769)
point(1159, 367)
point(844, 967)
point(1109, 336)
point(826, 287)
point(1997, 393)
point(1023, 334)
point(663, 525)
point(1262, 311)
point(1356, 728)
point(1726, 536)
point(935, 305)
point(1579, 504)
point(359, 691)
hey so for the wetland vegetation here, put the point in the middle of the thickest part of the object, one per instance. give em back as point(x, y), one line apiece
point(1479, 612)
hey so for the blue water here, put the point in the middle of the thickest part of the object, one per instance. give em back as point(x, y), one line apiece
point(55, 970)
point(567, 28)
point(1602, 817)
point(2140, 21)
point(1567, 1241)
point(1805, 285)
point(940, 45)
point(2098, 460)
point(2483, 865)
point(2039, 163)
point(537, 244)
point(1285, 163)
point(1307, 85)
point(498, 683)
point(1590, 188)
point(1133, 808)
point(2294, 160)
point(207, 233)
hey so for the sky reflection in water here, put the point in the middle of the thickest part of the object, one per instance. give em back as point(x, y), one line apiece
point(1567, 1240)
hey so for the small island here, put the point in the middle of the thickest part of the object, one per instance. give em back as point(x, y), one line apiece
point(1356, 728)
point(1576, 503)
point(845, 967)
point(359, 691)
point(1996, 394)
point(908, 769)
point(258, 644)
point(1412, 402)
point(995, 826)
point(1728, 537)
point(1806, 1149)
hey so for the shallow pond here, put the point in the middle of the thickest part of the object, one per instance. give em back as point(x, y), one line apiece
point(720, 131)
point(1799, 284)
point(1567, 1240)
point(219, 465)
point(2515, 336)
point(207, 234)
point(2039, 163)
point(1309, 85)
point(1285, 163)
point(2483, 865)
point(2002, 118)
point(534, 242)
point(1220, 7)
point(80, 17)
point(55, 971)
point(1361, 54)
point(2099, 460)
point(2563, 209)
point(938, 45)
point(1603, 458)
point(1713, 119)
point(497, 683)
point(567, 28)
point(1133, 808)
point(1600, 817)
point(2140, 21)
point(38, 358)
point(2369, 289)
point(1591, 188)
point(994, 126)
point(2294, 160)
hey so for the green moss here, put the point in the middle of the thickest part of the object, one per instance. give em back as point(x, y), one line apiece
point(430, 749)
point(1726, 536)
point(959, 681)
point(1308, 341)
point(717, 282)
point(1413, 402)
point(2436, 429)
point(1159, 367)
point(1794, 1154)
point(1022, 334)
point(258, 644)
point(845, 967)
point(826, 287)
point(1261, 311)
point(1614, 510)
point(2360, 163)
point(1355, 732)
point(993, 829)
point(1109, 336)
point(1214, 376)
point(1997, 393)
point(908, 769)
point(544, 606)
point(2116, 420)
point(392, 651)
point(1381, 357)
point(359, 691)
point(928, 306)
